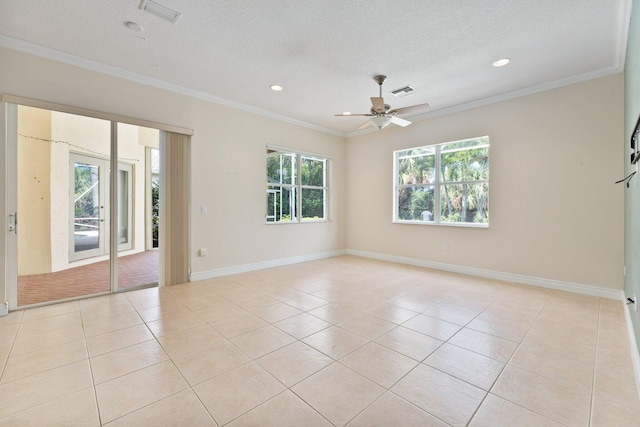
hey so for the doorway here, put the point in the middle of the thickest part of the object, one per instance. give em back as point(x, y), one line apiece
point(68, 213)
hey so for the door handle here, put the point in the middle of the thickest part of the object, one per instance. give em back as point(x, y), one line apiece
point(13, 222)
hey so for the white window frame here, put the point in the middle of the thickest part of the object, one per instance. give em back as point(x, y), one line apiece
point(436, 184)
point(296, 186)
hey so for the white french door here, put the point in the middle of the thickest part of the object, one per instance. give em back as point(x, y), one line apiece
point(89, 209)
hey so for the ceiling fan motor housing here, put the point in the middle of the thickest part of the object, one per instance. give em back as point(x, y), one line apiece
point(387, 107)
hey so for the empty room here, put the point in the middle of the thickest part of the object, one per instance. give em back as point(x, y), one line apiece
point(287, 213)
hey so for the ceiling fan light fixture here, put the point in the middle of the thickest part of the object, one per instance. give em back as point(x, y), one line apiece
point(381, 122)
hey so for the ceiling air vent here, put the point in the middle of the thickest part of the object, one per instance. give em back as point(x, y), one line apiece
point(403, 91)
point(160, 11)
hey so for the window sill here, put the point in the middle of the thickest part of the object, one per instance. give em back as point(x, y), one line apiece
point(445, 224)
point(306, 221)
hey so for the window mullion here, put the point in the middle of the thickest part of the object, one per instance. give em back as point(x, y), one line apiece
point(298, 187)
point(436, 191)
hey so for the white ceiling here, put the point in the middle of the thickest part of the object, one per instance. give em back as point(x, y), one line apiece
point(325, 52)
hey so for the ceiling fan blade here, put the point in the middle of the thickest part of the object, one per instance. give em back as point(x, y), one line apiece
point(365, 125)
point(400, 122)
point(414, 109)
point(348, 115)
point(378, 104)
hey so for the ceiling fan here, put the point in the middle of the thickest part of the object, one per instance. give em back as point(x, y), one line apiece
point(381, 113)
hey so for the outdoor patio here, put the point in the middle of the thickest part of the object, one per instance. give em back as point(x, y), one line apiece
point(133, 270)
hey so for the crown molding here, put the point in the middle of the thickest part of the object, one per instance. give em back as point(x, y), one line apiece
point(77, 61)
point(603, 72)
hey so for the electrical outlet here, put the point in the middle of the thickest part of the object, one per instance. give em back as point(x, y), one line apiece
point(445, 247)
point(203, 252)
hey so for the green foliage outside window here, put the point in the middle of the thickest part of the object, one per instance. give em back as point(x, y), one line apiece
point(155, 213)
point(296, 187)
point(85, 196)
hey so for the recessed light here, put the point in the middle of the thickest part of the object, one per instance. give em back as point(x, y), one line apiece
point(346, 113)
point(501, 62)
point(277, 88)
point(134, 26)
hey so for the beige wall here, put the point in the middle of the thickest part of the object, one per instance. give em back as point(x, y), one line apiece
point(554, 210)
point(555, 213)
point(34, 185)
point(227, 159)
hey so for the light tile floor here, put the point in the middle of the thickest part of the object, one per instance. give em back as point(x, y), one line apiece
point(341, 341)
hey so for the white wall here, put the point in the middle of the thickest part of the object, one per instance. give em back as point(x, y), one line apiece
point(227, 156)
point(554, 210)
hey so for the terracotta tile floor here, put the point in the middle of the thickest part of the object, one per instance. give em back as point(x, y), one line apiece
point(133, 270)
point(341, 341)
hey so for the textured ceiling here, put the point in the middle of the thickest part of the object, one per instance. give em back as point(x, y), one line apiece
point(325, 53)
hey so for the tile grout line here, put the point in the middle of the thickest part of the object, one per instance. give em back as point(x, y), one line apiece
point(595, 363)
point(93, 382)
point(535, 373)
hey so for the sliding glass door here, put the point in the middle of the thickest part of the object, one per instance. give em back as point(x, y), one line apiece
point(82, 196)
point(72, 201)
point(137, 262)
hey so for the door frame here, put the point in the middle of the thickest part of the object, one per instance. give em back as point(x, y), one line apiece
point(9, 205)
point(105, 214)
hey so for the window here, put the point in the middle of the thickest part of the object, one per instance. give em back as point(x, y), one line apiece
point(443, 184)
point(296, 187)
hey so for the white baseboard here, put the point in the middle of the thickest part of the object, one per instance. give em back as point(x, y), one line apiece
point(496, 275)
point(635, 355)
point(488, 274)
point(203, 275)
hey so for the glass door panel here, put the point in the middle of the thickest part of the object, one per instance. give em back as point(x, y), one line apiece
point(137, 259)
point(88, 207)
point(62, 187)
